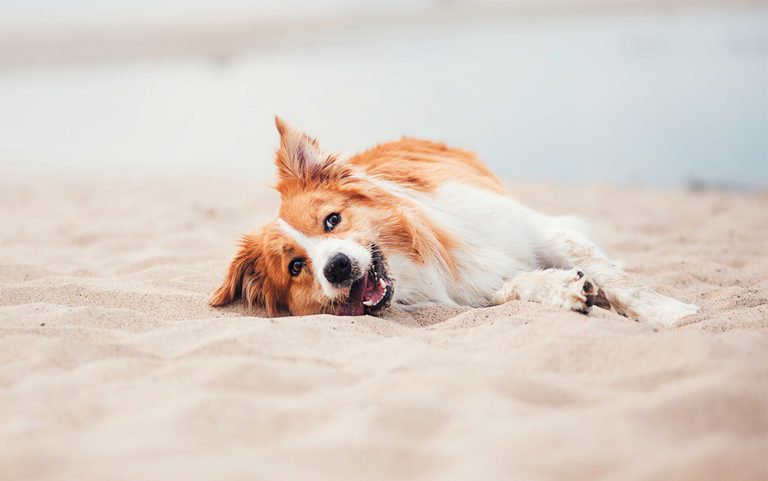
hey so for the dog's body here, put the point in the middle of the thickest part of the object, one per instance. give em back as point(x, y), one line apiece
point(412, 222)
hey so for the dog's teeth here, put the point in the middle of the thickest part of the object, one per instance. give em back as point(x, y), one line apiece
point(369, 303)
point(382, 283)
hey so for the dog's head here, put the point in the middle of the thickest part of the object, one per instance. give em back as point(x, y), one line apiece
point(323, 254)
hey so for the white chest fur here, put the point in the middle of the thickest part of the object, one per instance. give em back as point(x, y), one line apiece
point(497, 238)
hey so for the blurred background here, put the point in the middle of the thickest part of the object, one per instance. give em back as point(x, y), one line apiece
point(662, 93)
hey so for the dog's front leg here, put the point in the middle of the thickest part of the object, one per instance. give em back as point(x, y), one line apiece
point(626, 295)
point(568, 288)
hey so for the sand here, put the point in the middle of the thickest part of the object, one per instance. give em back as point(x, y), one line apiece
point(113, 367)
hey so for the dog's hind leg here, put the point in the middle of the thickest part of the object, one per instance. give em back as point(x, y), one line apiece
point(636, 301)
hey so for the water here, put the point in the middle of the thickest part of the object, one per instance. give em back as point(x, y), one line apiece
point(659, 99)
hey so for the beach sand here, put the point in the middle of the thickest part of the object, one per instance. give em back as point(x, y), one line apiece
point(113, 367)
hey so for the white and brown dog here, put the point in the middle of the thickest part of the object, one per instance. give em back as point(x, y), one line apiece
point(413, 222)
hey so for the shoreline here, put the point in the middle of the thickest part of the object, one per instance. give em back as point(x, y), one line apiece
point(27, 46)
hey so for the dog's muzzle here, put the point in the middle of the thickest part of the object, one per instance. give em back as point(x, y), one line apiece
point(370, 291)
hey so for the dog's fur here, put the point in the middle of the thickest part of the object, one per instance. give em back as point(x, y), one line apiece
point(420, 223)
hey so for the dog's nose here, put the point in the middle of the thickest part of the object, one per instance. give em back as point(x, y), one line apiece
point(338, 269)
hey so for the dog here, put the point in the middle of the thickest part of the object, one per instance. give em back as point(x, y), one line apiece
point(412, 223)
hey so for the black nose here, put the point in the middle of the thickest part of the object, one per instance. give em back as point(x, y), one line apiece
point(338, 269)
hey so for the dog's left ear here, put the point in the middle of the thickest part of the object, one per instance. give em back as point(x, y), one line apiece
point(246, 277)
point(231, 287)
point(300, 156)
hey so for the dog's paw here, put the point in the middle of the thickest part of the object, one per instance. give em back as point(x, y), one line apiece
point(570, 289)
point(579, 292)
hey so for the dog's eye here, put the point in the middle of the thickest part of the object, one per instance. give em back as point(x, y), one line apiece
point(332, 221)
point(296, 266)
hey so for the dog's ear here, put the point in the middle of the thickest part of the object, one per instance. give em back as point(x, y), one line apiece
point(246, 278)
point(300, 156)
point(231, 287)
point(245, 274)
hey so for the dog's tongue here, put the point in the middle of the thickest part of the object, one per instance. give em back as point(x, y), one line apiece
point(354, 304)
point(374, 291)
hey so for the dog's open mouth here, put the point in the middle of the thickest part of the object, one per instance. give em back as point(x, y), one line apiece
point(372, 292)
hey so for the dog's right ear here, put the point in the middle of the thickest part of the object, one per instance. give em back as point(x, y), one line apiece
point(300, 157)
point(299, 154)
point(242, 272)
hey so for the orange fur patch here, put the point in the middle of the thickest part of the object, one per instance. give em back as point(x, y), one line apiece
point(423, 165)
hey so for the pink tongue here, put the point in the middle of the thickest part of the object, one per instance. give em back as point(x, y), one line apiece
point(373, 292)
point(354, 306)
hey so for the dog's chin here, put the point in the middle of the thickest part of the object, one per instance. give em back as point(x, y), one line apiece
point(372, 292)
